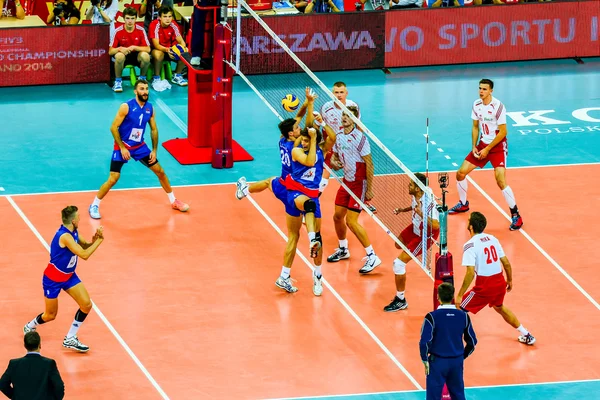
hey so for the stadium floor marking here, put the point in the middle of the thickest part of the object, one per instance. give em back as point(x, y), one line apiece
point(340, 299)
point(106, 322)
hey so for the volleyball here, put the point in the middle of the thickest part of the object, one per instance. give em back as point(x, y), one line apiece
point(290, 102)
point(177, 51)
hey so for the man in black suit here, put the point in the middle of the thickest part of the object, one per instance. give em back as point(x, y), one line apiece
point(32, 377)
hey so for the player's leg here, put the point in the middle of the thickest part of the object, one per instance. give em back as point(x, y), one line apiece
point(81, 296)
point(294, 223)
point(143, 60)
point(413, 243)
point(526, 337)
point(339, 222)
point(359, 231)
point(243, 188)
point(116, 164)
point(164, 182)
point(178, 79)
point(455, 378)
point(500, 174)
point(318, 260)
point(468, 165)
point(436, 378)
point(49, 314)
point(119, 66)
point(158, 57)
point(309, 207)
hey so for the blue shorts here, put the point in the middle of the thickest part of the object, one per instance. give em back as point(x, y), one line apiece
point(137, 154)
point(292, 194)
point(281, 193)
point(52, 289)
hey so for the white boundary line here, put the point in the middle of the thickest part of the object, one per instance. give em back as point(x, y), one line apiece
point(417, 391)
point(233, 182)
point(340, 299)
point(537, 246)
point(100, 314)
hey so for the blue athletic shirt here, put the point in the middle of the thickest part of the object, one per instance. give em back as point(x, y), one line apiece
point(307, 179)
point(134, 125)
point(62, 260)
point(285, 150)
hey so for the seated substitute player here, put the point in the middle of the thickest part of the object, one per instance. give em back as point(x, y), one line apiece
point(128, 131)
point(60, 274)
point(483, 255)
point(352, 152)
point(411, 237)
point(164, 34)
point(129, 45)
point(489, 117)
point(303, 190)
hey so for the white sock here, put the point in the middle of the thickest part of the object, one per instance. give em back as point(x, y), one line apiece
point(509, 197)
point(522, 330)
point(318, 272)
point(344, 244)
point(96, 202)
point(171, 197)
point(400, 295)
point(311, 235)
point(74, 328)
point(33, 323)
point(462, 190)
point(285, 272)
point(369, 250)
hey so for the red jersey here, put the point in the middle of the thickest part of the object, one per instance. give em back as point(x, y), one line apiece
point(121, 38)
point(10, 8)
point(166, 36)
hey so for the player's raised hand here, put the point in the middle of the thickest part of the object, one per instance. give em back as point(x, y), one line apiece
point(125, 154)
point(312, 133)
point(310, 94)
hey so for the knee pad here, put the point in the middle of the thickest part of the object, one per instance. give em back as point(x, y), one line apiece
point(399, 267)
point(310, 206)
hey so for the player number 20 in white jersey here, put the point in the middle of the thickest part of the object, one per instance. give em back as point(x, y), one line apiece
point(484, 252)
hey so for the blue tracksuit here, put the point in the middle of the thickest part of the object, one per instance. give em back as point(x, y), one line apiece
point(442, 345)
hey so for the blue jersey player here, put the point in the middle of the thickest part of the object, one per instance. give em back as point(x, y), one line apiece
point(290, 131)
point(65, 249)
point(303, 183)
point(128, 131)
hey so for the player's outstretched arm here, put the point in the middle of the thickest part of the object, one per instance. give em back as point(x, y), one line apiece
point(508, 270)
point(67, 241)
point(402, 210)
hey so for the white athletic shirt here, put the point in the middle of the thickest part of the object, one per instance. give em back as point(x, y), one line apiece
point(350, 149)
point(332, 115)
point(490, 117)
point(483, 251)
point(417, 221)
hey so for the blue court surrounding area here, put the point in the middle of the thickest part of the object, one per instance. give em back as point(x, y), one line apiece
point(554, 119)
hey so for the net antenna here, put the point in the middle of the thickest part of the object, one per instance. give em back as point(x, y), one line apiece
point(428, 196)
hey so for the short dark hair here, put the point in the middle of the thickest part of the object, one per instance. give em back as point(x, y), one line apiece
point(140, 82)
point(68, 213)
point(477, 221)
point(486, 81)
point(286, 126)
point(446, 292)
point(165, 10)
point(353, 110)
point(129, 11)
point(32, 341)
point(339, 84)
point(422, 178)
point(304, 132)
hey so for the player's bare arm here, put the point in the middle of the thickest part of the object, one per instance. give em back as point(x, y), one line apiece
point(67, 240)
point(85, 244)
point(309, 159)
point(114, 129)
point(302, 111)
point(475, 137)
point(154, 136)
point(370, 171)
point(329, 139)
point(508, 270)
point(402, 210)
point(469, 275)
point(499, 137)
point(336, 164)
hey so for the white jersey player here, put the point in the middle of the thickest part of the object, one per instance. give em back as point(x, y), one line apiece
point(489, 145)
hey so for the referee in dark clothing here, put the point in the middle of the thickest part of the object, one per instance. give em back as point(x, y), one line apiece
point(442, 348)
